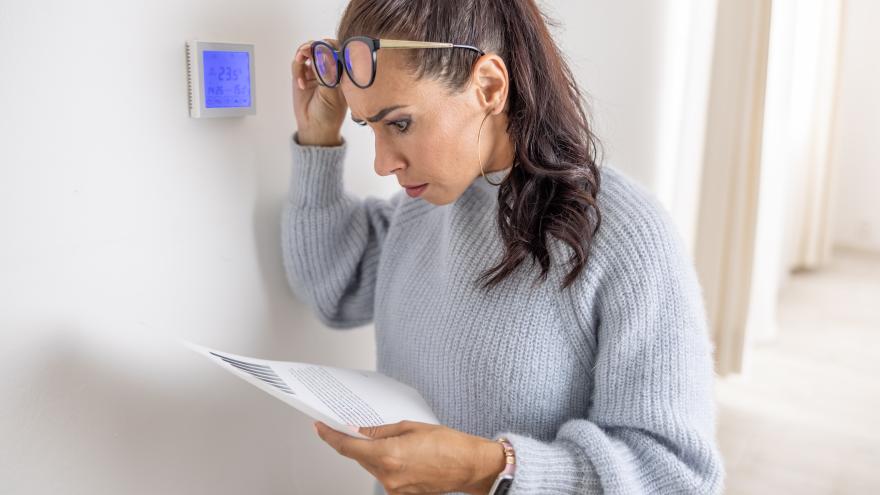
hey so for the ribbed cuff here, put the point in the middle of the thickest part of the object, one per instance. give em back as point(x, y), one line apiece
point(543, 467)
point(316, 178)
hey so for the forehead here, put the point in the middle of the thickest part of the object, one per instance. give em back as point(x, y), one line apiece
point(394, 85)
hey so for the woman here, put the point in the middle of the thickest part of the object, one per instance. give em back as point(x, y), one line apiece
point(521, 300)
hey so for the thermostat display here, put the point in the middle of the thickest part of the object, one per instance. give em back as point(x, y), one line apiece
point(227, 79)
point(221, 79)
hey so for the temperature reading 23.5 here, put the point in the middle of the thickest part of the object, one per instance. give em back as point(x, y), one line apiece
point(227, 79)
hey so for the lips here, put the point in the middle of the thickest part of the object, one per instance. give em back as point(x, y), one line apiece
point(415, 191)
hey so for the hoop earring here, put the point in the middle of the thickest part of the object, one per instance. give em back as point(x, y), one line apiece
point(479, 135)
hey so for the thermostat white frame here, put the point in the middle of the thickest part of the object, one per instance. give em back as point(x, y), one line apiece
point(195, 69)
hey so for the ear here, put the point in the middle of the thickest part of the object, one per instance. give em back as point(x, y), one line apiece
point(491, 81)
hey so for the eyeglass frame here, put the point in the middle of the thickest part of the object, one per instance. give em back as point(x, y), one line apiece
point(375, 44)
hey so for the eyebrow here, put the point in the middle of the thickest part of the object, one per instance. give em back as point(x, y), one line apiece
point(379, 116)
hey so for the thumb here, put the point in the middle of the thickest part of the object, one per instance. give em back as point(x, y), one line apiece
point(385, 431)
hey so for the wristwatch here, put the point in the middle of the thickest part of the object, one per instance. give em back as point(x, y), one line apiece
point(505, 478)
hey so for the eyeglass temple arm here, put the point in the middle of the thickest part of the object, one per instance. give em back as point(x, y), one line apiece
point(422, 44)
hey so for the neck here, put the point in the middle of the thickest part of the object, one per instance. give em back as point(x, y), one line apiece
point(501, 156)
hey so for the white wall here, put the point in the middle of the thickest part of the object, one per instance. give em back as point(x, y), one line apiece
point(126, 224)
point(855, 144)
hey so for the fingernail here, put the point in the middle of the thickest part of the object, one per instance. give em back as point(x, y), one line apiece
point(300, 82)
point(315, 426)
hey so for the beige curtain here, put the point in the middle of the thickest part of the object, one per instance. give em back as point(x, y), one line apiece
point(766, 189)
point(725, 239)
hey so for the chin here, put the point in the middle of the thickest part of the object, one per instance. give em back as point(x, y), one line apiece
point(439, 196)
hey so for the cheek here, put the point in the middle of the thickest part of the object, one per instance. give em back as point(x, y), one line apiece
point(446, 160)
point(436, 152)
point(446, 155)
point(457, 142)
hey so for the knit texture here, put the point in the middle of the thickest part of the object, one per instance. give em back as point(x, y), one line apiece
point(604, 387)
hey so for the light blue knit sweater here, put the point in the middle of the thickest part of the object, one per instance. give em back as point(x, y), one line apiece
point(605, 387)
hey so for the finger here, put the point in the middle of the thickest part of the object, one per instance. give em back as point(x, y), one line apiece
point(309, 71)
point(389, 430)
point(309, 84)
point(304, 49)
point(348, 446)
point(309, 75)
point(299, 67)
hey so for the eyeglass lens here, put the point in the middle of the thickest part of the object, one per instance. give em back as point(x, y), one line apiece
point(359, 62)
point(326, 66)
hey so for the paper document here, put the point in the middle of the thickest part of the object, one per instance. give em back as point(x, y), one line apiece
point(342, 398)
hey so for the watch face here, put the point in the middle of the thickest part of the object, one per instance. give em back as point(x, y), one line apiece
point(503, 486)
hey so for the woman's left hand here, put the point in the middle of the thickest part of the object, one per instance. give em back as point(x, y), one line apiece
point(411, 457)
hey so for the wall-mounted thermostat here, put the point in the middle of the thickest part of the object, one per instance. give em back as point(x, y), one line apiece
point(221, 79)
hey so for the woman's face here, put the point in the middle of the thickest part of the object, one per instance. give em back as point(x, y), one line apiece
point(425, 136)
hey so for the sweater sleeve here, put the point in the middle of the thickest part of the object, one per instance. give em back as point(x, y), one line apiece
point(650, 423)
point(331, 240)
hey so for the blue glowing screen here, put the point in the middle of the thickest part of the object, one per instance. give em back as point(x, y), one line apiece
point(227, 79)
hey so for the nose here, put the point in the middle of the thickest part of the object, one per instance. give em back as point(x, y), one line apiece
point(388, 160)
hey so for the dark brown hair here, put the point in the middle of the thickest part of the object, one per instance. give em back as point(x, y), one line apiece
point(553, 188)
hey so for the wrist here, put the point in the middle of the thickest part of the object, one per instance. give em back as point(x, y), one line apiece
point(307, 138)
point(491, 461)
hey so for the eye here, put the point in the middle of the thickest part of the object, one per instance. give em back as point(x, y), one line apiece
point(360, 123)
point(401, 125)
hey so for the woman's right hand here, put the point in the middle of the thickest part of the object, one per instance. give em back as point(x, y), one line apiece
point(319, 110)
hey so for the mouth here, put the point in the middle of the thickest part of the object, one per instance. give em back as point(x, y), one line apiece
point(415, 191)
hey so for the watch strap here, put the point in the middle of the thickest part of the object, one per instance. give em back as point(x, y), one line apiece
point(505, 477)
